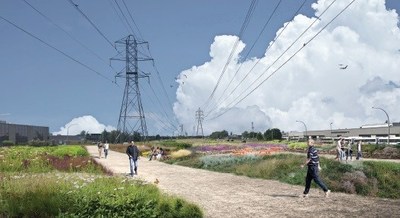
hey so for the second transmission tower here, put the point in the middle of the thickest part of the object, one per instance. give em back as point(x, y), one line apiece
point(131, 117)
point(199, 118)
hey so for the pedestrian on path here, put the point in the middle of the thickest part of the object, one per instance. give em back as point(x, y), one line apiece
point(100, 148)
point(312, 163)
point(133, 153)
point(359, 153)
point(106, 147)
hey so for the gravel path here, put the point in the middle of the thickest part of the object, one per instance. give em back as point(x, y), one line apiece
point(228, 195)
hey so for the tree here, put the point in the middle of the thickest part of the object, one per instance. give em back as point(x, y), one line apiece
point(245, 135)
point(272, 134)
point(259, 136)
point(219, 135)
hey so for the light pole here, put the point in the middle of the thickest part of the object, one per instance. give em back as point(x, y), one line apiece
point(299, 121)
point(68, 131)
point(331, 129)
point(388, 122)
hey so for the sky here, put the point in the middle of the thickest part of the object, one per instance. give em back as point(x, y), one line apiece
point(267, 71)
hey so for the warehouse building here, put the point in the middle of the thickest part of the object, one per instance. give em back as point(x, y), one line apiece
point(22, 134)
point(368, 133)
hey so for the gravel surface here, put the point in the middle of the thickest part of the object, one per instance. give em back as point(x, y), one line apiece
point(228, 195)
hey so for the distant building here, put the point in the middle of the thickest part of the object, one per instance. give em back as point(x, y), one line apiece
point(22, 134)
point(369, 133)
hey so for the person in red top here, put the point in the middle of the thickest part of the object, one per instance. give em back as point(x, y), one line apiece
point(312, 163)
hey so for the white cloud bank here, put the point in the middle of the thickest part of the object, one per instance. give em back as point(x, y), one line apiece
point(311, 87)
point(85, 123)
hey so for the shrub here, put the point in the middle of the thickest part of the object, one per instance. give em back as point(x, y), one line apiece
point(387, 175)
point(70, 150)
point(177, 145)
point(38, 143)
point(7, 143)
point(180, 153)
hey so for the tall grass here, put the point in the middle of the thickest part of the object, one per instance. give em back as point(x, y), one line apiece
point(49, 195)
point(32, 185)
point(370, 178)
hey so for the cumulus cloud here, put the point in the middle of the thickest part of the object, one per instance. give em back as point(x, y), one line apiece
point(311, 87)
point(85, 123)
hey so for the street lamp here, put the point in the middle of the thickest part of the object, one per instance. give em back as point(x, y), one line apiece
point(68, 130)
point(388, 122)
point(299, 121)
point(331, 129)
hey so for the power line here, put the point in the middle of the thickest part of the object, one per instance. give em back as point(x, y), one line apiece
point(255, 64)
point(158, 100)
point(119, 17)
point(284, 63)
point(126, 20)
point(63, 53)
point(130, 15)
point(167, 126)
point(66, 32)
point(94, 26)
point(242, 30)
point(248, 53)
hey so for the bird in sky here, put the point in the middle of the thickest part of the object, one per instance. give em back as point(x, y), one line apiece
point(342, 67)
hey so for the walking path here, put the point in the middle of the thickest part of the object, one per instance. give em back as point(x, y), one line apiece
point(228, 195)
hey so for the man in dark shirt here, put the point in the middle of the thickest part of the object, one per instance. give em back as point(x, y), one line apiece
point(312, 163)
point(133, 153)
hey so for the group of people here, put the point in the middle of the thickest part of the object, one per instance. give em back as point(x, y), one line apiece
point(345, 149)
point(156, 153)
point(103, 148)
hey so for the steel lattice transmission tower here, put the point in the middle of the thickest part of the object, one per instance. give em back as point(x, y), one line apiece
point(199, 118)
point(132, 117)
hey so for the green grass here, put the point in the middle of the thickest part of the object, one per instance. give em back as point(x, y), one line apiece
point(63, 182)
point(85, 195)
point(369, 178)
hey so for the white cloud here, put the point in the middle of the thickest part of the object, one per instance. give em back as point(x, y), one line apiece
point(311, 87)
point(85, 123)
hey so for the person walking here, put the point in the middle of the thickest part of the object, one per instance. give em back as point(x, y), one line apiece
point(133, 153)
point(359, 153)
point(312, 163)
point(106, 147)
point(339, 149)
point(100, 148)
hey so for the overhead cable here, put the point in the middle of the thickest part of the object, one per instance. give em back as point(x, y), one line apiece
point(66, 32)
point(51, 46)
point(257, 62)
point(285, 62)
point(248, 53)
point(242, 30)
point(93, 25)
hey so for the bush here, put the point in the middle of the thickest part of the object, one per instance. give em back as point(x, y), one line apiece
point(70, 150)
point(7, 143)
point(38, 143)
point(177, 145)
point(181, 153)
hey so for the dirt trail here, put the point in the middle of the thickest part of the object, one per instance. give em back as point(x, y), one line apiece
point(227, 195)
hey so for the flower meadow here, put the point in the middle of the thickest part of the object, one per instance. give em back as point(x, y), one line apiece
point(241, 149)
point(258, 160)
point(63, 181)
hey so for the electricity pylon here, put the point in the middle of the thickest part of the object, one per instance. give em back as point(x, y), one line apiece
point(199, 118)
point(131, 117)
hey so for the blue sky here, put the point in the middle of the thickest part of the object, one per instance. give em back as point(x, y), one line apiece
point(40, 86)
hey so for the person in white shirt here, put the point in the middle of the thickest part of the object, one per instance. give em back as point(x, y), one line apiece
point(359, 153)
point(339, 149)
point(106, 147)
